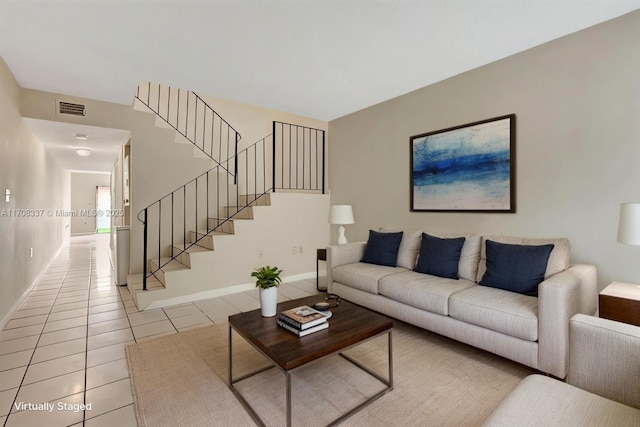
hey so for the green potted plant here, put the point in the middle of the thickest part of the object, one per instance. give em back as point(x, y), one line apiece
point(267, 279)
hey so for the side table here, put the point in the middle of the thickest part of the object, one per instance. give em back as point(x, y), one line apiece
point(321, 255)
point(620, 301)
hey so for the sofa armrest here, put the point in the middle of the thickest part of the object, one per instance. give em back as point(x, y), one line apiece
point(342, 254)
point(604, 358)
point(562, 295)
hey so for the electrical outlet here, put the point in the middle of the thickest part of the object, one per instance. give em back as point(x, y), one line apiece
point(294, 250)
point(299, 249)
point(260, 253)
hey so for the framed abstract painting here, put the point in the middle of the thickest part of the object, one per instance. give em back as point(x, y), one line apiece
point(468, 168)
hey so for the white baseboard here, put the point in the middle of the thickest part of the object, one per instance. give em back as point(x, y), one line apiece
point(25, 294)
point(183, 299)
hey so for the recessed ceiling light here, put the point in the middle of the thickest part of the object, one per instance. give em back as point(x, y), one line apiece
point(83, 152)
point(81, 136)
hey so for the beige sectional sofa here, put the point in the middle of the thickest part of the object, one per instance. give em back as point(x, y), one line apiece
point(602, 388)
point(530, 330)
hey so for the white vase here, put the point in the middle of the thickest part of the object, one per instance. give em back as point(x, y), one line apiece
point(269, 301)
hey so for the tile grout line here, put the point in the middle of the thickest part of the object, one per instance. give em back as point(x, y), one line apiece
point(36, 346)
point(84, 415)
point(86, 338)
point(199, 312)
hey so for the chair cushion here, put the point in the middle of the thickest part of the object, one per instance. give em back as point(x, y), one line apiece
point(382, 248)
point(362, 276)
point(501, 311)
point(544, 401)
point(422, 291)
point(439, 257)
point(516, 268)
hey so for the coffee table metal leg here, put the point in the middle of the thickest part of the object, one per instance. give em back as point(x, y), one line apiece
point(386, 381)
point(232, 382)
point(390, 347)
point(288, 404)
point(288, 407)
point(230, 359)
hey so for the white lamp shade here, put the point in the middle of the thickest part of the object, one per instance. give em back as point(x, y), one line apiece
point(341, 214)
point(629, 224)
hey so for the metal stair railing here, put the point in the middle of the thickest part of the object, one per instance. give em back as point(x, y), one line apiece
point(192, 117)
point(203, 205)
point(290, 158)
point(298, 157)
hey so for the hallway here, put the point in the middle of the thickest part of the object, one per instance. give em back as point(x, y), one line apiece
point(62, 358)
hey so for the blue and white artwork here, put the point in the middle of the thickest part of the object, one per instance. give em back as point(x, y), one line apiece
point(467, 168)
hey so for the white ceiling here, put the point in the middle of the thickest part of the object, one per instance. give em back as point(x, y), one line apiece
point(60, 141)
point(317, 58)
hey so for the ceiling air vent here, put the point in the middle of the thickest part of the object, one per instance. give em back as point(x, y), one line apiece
point(71, 109)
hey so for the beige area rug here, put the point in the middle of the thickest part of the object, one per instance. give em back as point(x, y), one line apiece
point(181, 380)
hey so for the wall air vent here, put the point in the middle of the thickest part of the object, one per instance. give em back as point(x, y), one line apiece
point(71, 109)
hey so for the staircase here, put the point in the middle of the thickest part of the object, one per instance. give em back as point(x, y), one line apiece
point(180, 228)
point(193, 120)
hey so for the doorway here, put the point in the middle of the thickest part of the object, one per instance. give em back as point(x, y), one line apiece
point(103, 209)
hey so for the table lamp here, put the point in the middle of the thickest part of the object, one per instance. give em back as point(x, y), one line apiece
point(341, 215)
point(629, 224)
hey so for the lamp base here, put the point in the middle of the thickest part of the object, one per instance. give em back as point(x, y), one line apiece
point(341, 237)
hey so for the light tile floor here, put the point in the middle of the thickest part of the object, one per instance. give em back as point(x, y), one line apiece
point(64, 346)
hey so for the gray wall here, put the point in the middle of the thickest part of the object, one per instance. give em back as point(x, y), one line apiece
point(577, 102)
point(35, 183)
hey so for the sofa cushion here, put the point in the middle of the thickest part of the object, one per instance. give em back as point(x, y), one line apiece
point(362, 276)
point(469, 255)
point(558, 259)
point(382, 248)
point(422, 291)
point(439, 257)
point(501, 311)
point(516, 268)
point(544, 401)
point(409, 247)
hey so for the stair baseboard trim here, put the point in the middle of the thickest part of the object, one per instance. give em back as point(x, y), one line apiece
point(183, 299)
point(297, 277)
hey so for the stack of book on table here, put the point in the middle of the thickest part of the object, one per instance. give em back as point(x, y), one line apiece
point(303, 320)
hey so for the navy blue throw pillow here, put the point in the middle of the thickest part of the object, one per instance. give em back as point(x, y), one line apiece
point(516, 268)
point(439, 257)
point(382, 248)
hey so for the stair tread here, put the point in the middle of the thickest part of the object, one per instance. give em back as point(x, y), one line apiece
point(213, 233)
point(152, 283)
point(174, 265)
point(162, 260)
point(169, 264)
point(191, 249)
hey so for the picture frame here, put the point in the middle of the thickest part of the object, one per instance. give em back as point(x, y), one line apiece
point(466, 168)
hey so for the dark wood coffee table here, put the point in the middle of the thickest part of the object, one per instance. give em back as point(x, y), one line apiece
point(349, 326)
